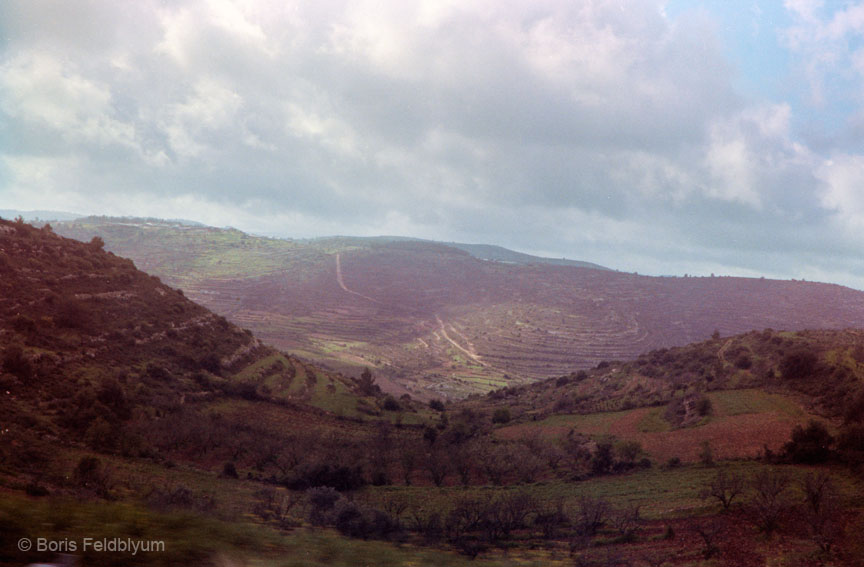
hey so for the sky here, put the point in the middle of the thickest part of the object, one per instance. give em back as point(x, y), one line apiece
point(678, 137)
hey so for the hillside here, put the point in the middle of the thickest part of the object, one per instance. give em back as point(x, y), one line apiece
point(434, 320)
point(742, 394)
point(97, 354)
point(129, 411)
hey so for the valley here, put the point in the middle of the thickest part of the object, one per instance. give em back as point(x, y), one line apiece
point(433, 320)
point(129, 409)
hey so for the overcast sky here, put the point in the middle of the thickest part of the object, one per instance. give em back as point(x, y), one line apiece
point(659, 137)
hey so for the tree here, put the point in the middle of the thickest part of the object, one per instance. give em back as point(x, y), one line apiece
point(437, 465)
point(462, 459)
point(711, 532)
point(590, 514)
point(366, 385)
point(602, 460)
point(706, 454)
point(822, 510)
point(408, 455)
point(768, 505)
point(626, 521)
point(724, 487)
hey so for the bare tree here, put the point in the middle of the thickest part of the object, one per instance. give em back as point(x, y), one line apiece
point(724, 487)
point(711, 533)
point(437, 465)
point(590, 514)
point(408, 456)
point(496, 462)
point(823, 510)
point(768, 505)
point(462, 459)
point(626, 520)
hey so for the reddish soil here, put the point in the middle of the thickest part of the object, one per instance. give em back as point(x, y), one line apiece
point(730, 437)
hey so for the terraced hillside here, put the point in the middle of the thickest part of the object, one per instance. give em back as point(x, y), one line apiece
point(433, 319)
point(96, 352)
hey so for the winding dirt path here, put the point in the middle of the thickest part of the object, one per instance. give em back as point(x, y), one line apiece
point(721, 352)
point(467, 352)
point(341, 281)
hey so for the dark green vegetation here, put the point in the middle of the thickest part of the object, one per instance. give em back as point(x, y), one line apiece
point(436, 320)
point(127, 410)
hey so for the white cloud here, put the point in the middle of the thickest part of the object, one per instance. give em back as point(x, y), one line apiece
point(597, 129)
point(40, 90)
point(193, 125)
point(844, 191)
point(749, 152)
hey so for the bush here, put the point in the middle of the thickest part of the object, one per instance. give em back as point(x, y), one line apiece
point(850, 444)
point(71, 314)
point(339, 477)
point(809, 445)
point(436, 405)
point(321, 500)
point(16, 362)
point(229, 470)
point(390, 404)
point(501, 415)
point(704, 407)
point(37, 490)
point(798, 364)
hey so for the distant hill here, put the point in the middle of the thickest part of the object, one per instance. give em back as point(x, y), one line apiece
point(499, 254)
point(31, 216)
point(432, 319)
point(741, 394)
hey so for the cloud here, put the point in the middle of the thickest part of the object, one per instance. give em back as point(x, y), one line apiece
point(597, 129)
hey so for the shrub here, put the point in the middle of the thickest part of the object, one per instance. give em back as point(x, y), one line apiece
point(322, 500)
point(704, 407)
point(390, 404)
point(850, 444)
point(436, 405)
point(229, 470)
point(798, 364)
point(809, 445)
point(35, 489)
point(501, 415)
point(16, 362)
point(71, 314)
point(706, 454)
point(339, 477)
point(601, 460)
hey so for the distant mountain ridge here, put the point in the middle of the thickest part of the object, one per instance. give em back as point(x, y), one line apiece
point(432, 319)
point(501, 254)
point(31, 216)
